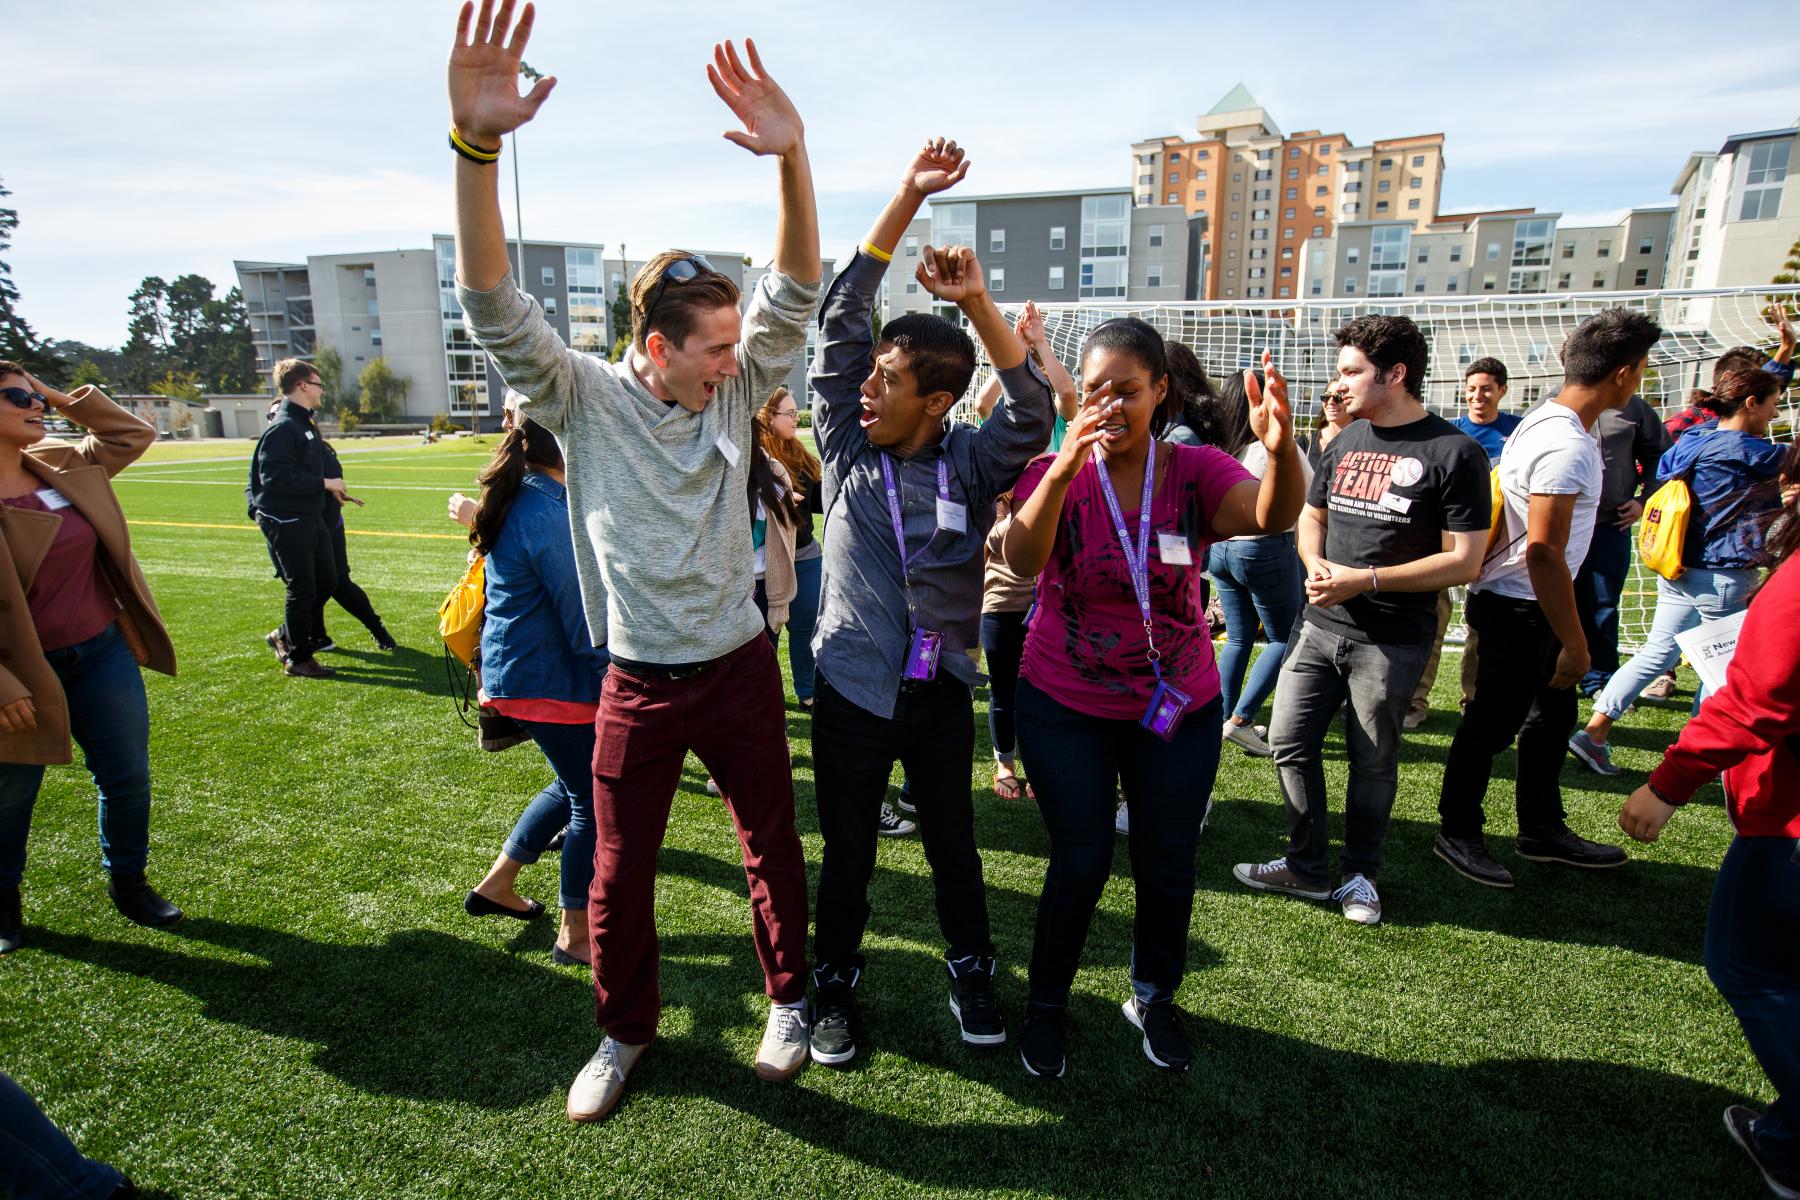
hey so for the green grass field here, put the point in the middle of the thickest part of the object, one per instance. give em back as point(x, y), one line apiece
point(328, 1023)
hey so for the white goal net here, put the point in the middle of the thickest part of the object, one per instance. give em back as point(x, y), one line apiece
point(1524, 332)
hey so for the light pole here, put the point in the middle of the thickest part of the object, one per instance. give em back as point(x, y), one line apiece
point(518, 207)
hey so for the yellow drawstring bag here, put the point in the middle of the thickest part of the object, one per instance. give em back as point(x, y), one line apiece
point(1663, 534)
point(459, 616)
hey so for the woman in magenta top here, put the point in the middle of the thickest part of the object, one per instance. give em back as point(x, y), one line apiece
point(1119, 688)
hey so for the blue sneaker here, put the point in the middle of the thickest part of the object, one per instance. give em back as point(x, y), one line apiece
point(1594, 755)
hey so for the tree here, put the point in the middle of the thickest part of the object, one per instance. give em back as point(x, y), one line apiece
point(148, 351)
point(88, 371)
point(621, 323)
point(383, 392)
point(18, 341)
point(108, 366)
point(182, 385)
point(330, 366)
point(180, 326)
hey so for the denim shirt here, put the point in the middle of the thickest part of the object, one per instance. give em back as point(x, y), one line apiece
point(864, 626)
point(1736, 494)
point(534, 634)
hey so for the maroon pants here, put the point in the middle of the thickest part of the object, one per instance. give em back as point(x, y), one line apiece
point(732, 717)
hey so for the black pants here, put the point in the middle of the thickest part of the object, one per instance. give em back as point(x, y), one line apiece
point(1003, 641)
point(301, 548)
point(932, 735)
point(1513, 697)
point(350, 597)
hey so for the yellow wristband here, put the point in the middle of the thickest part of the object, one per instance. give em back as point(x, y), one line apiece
point(874, 251)
point(463, 147)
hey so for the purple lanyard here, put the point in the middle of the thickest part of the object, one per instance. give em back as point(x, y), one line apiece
point(893, 499)
point(1137, 561)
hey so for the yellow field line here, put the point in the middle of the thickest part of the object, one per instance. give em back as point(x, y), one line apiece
point(448, 537)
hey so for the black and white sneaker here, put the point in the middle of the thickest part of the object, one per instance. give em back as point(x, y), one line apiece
point(972, 1000)
point(904, 803)
point(1740, 1123)
point(834, 1010)
point(1164, 1043)
point(891, 824)
point(1041, 1041)
point(324, 644)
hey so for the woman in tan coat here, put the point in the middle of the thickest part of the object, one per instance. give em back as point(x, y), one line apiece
point(76, 623)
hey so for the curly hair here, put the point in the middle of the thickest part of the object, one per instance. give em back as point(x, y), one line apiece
point(1390, 342)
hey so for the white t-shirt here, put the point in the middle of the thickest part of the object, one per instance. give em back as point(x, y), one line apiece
point(1549, 454)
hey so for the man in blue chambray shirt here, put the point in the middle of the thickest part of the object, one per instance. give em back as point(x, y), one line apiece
point(908, 506)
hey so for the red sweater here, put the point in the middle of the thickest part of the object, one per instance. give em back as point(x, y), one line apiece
point(1750, 729)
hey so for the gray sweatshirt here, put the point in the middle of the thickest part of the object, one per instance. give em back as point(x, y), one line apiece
point(657, 510)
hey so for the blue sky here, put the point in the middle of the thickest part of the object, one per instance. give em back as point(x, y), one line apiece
point(162, 139)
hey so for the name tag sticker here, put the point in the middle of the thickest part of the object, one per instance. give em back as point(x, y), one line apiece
point(309, 435)
point(728, 448)
point(952, 516)
point(1173, 549)
point(52, 498)
point(1399, 504)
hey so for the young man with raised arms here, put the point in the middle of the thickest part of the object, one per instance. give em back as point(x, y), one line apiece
point(908, 505)
point(657, 448)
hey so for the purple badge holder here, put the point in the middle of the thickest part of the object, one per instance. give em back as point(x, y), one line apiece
point(1168, 704)
point(922, 655)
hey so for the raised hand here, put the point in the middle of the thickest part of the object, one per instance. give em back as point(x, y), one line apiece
point(940, 165)
point(1271, 418)
point(771, 122)
point(1030, 325)
point(485, 104)
point(952, 274)
point(1785, 330)
point(1085, 432)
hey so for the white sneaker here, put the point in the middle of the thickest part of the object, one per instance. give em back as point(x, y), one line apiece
point(712, 786)
point(1362, 903)
point(1249, 737)
point(784, 1043)
point(597, 1089)
point(891, 824)
point(1122, 821)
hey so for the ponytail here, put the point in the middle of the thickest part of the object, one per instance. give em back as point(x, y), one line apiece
point(1734, 389)
point(527, 444)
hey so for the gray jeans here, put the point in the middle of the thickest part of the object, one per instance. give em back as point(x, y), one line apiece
point(1324, 670)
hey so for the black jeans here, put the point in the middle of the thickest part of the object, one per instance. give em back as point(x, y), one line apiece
point(1003, 643)
point(932, 735)
point(1513, 697)
point(350, 597)
point(1599, 589)
point(1076, 761)
point(301, 548)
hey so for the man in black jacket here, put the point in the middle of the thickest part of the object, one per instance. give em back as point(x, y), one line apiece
point(288, 494)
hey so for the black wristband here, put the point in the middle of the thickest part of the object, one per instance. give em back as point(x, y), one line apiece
point(472, 152)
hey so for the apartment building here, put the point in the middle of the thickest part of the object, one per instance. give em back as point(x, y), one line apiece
point(1507, 252)
point(1737, 211)
point(1260, 193)
point(278, 299)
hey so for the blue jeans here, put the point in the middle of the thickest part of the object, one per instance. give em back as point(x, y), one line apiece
point(38, 1161)
point(1681, 604)
point(1003, 642)
point(1076, 762)
point(1323, 670)
point(568, 801)
point(1754, 961)
point(110, 719)
point(803, 618)
point(1599, 586)
point(1258, 581)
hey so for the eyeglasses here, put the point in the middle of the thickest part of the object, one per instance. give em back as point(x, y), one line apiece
point(24, 399)
point(682, 270)
point(787, 412)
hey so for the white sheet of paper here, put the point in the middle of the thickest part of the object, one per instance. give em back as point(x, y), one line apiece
point(1709, 648)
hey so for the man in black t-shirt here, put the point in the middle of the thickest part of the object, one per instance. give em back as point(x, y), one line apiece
point(1398, 511)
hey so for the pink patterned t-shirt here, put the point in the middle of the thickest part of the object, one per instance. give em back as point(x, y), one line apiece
point(1085, 644)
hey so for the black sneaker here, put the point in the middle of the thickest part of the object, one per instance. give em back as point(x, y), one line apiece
point(1041, 1041)
point(972, 1000)
point(1740, 1123)
point(1164, 1043)
point(324, 644)
point(385, 640)
point(12, 920)
point(1469, 858)
point(140, 904)
point(1562, 846)
point(834, 1010)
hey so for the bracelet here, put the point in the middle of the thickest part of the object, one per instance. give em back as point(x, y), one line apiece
point(1374, 580)
point(472, 152)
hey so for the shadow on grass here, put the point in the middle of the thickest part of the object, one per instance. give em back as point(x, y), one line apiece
point(420, 671)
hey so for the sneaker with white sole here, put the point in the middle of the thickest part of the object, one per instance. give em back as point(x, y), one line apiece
point(1276, 876)
point(891, 824)
point(1249, 738)
point(1362, 903)
point(597, 1089)
point(1593, 755)
point(1164, 1043)
point(904, 803)
point(972, 1000)
point(1660, 688)
point(784, 1044)
point(1122, 820)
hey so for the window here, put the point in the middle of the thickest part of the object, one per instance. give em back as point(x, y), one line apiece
point(1291, 194)
point(1293, 173)
point(953, 225)
point(1531, 244)
point(1320, 190)
point(912, 287)
point(1200, 174)
point(1424, 254)
point(1056, 279)
point(1384, 185)
point(1317, 287)
point(1174, 156)
point(1387, 248)
point(1353, 255)
point(1287, 272)
point(1318, 231)
point(1156, 235)
point(1413, 203)
point(1173, 198)
point(1386, 163)
point(1259, 235)
point(1646, 245)
point(1353, 186)
point(1257, 272)
point(1198, 154)
point(1487, 282)
point(1105, 237)
point(1287, 214)
point(1350, 285)
point(1288, 232)
point(1146, 158)
point(1145, 198)
point(1259, 252)
point(1353, 168)
point(375, 334)
point(1324, 170)
point(1418, 160)
point(1237, 177)
point(1174, 176)
point(1200, 193)
point(1456, 254)
point(1264, 176)
point(1287, 291)
point(1568, 250)
point(1450, 286)
point(1604, 251)
point(549, 307)
point(1259, 214)
point(1381, 206)
point(1287, 252)
point(1765, 171)
point(1146, 180)
point(368, 276)
point(1058, 235)
point(1493, 251)
point(1599, 281)
point(1416, 182)
point(1235, 198)
point(912, 247)
point(1293, 152)
point(996, 279)
point(1318, 210)
point(1265, 154)
point(1419, 284)
point(549, 276)
point(1256, 293)
point(1153, 275)
point(374, 308)
point(1262, 194)
point(996, 241)
point(1350, 210)
point(1325, 149)
point(1641, 278)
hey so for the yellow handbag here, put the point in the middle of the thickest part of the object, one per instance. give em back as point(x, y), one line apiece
point(1663, 535)
point(1496, 513)
point(459, 616)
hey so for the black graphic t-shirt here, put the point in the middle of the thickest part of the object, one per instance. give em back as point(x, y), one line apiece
point(1390, 493)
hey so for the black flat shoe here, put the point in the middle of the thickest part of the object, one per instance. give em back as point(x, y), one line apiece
point(12, 920)
point(138, 902)
point(477, 905)
point(556, 843)
point(563, 958)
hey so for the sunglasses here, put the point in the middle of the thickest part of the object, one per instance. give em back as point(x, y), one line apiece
point(24, 399)
point(682, 270)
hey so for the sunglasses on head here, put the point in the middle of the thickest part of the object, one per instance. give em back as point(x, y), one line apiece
point(682, 270)
point(24, 399)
